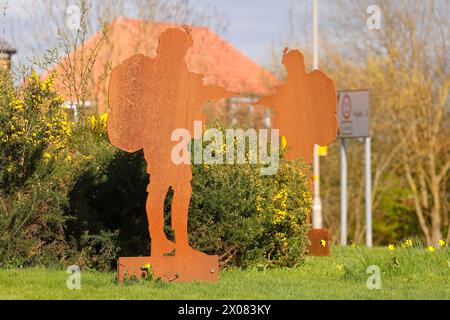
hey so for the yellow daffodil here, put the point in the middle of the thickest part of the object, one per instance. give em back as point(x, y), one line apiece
point(391, 247)
point(147, 266)
point(408, 243)
point(431, 249)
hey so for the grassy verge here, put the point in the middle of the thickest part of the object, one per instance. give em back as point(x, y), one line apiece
point(405, 274)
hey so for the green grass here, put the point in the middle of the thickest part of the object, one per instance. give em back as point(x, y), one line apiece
point(406, 274)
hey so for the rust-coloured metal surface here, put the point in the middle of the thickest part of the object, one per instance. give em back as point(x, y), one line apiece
point(320, 242)
point(170, 268)
point(305, 108)
point(149, 98)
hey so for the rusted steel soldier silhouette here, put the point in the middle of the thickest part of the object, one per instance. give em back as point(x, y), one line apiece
point(305, 107)
point(149, 98)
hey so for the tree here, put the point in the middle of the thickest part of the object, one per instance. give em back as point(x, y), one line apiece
point(407, 70)
point(83, 33)
point(406, 67)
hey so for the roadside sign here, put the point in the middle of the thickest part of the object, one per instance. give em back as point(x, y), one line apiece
point(354, 122)
point(354, 114)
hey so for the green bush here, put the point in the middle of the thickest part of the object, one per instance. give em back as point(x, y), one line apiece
point(41, 159)
point(249, 219)
point(68, 197)
point(235, 212)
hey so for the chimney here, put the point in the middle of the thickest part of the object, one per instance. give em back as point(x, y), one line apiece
point(6, 52)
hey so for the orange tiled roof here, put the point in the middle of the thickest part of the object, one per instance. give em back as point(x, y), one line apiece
point(220, 62)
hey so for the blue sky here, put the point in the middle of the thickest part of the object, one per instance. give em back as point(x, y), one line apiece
point(253, 25)
point(256, 24)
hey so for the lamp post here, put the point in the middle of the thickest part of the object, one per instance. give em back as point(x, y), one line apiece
point(317, 220)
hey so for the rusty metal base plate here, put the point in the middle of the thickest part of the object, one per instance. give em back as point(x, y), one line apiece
point(194, 266)
point(316, 247)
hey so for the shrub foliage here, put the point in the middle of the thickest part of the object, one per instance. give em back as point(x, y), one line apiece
point(68, 197)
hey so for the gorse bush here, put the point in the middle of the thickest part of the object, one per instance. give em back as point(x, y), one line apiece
point(33, 127)
point(248, 218)
point(41, 159)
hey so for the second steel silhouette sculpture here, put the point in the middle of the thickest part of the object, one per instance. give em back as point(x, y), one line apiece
point(149, 99)
point(305, 109)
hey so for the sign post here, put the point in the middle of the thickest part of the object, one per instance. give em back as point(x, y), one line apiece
point(354, 122)
point(368, 166)
point(343, 192)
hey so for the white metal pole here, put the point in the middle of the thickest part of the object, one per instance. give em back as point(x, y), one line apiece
point(267, 118)
point(232, 112)
point(76, 112)
point(317, 202)
point(315, 35)
point(343, 192)
point(368, 165)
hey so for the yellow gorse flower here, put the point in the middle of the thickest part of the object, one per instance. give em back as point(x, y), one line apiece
point(259, 200)
point(282, 239)
point(280, 202)
point(279, 216)
point(103, 119)
point(92, 121)
point(33, 76)
point(98, 122)
point(17, 104)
